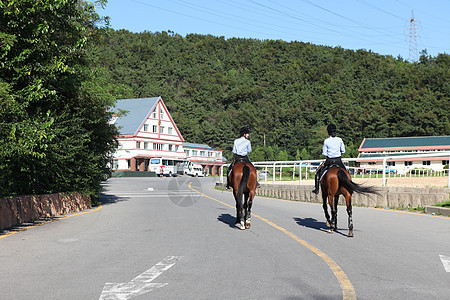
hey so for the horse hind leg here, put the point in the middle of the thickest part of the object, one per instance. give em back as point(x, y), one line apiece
point(336, 201)
point(239, 208)
point(325, 210)
point(350, 217)
point(248, 210)
point(333, 207)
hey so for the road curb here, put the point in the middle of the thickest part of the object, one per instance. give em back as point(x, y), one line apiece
point(437, 210)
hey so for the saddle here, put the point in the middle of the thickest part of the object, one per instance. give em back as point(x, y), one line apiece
point(238, 159)
point(326, 170)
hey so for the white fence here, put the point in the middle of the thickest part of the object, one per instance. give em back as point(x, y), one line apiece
point(302, 167)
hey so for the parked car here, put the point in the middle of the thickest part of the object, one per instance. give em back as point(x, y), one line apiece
point(263, 175)
point(387, 170)
point(391, 170)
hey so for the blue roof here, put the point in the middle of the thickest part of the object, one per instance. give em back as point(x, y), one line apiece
point(194, 145)
point(403, 142)
point(138, 109)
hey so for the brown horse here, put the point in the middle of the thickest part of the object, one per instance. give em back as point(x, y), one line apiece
point(243, 181)
point(337, 181)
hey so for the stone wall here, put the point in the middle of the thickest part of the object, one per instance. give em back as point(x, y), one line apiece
point(21, 209)
point(389, 197)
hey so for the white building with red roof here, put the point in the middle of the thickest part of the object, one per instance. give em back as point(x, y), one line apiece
point(147, 131)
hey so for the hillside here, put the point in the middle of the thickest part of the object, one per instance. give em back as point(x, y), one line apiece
point(286, 92)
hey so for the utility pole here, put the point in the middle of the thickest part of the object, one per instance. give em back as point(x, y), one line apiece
point(413, 55)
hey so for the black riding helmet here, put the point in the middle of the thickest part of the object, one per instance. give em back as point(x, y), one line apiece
point(331, 129)
point(244, 130)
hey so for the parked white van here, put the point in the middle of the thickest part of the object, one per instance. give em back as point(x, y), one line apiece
point(196, 171)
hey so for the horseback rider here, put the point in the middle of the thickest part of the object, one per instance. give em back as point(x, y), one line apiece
point(241, 148)
point(333, 148)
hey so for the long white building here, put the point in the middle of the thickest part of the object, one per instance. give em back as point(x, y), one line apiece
point(402, 147)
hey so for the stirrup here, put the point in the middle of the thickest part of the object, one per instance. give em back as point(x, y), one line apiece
point(315, 191)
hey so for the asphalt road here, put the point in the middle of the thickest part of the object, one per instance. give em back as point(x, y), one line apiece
point(174, 238)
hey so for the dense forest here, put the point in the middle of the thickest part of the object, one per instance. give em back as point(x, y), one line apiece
point(286, 92)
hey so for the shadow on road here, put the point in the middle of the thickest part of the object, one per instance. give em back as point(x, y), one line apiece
point(227, 219)
point(314, 224)
point(111, 199)
point(311, 223)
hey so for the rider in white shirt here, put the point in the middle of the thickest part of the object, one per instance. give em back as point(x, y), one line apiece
point(241, 149)
point(333, 148)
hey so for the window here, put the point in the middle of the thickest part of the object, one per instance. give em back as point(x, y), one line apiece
point(170, 147)
point(161, 129)
point(187, 152)
point(154, 114)
point(145, 127)
point(138, 145)
point(157, 146)
point(202, 153)
point(155, 128)
point(145, 145)
point(391, 163)
point(408, 163)
point(169, 130)
point(115, 165)
point(426, 163)
point(176, 147)
point(445, 162)
point(161, 115)
point(194, 152)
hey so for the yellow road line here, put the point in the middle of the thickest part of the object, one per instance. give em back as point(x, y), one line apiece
point(57, 218)
point(348, 292)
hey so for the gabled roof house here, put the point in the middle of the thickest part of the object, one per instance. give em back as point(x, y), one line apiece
point(406, 146)
point(146, 131)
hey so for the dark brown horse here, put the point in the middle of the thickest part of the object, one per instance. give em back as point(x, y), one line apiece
point(243, 181)
point(335, 182)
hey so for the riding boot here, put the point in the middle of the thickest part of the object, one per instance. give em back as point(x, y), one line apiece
point(316, 183)
point(258, 185)
point(228, 179)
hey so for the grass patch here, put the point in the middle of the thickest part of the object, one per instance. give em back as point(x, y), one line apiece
point(443, 204)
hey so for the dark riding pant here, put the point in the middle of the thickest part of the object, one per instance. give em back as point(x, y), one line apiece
point(236, 159)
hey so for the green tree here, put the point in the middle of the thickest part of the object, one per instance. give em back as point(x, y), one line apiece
point(54, 130)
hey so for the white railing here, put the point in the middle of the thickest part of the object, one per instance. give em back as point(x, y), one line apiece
point(310, 165)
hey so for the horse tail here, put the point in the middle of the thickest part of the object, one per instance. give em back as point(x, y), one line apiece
point(244, 180)
point(354, 187)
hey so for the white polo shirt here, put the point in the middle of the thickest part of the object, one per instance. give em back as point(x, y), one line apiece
point(333, 147)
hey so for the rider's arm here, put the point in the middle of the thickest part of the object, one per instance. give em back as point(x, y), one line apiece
point(342, 147)
point(325, 149)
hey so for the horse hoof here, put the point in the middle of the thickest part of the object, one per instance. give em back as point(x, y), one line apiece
point(242, 226)
point(247, 225)
point(328, 224)
point(350, 234)
point(330, 231)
